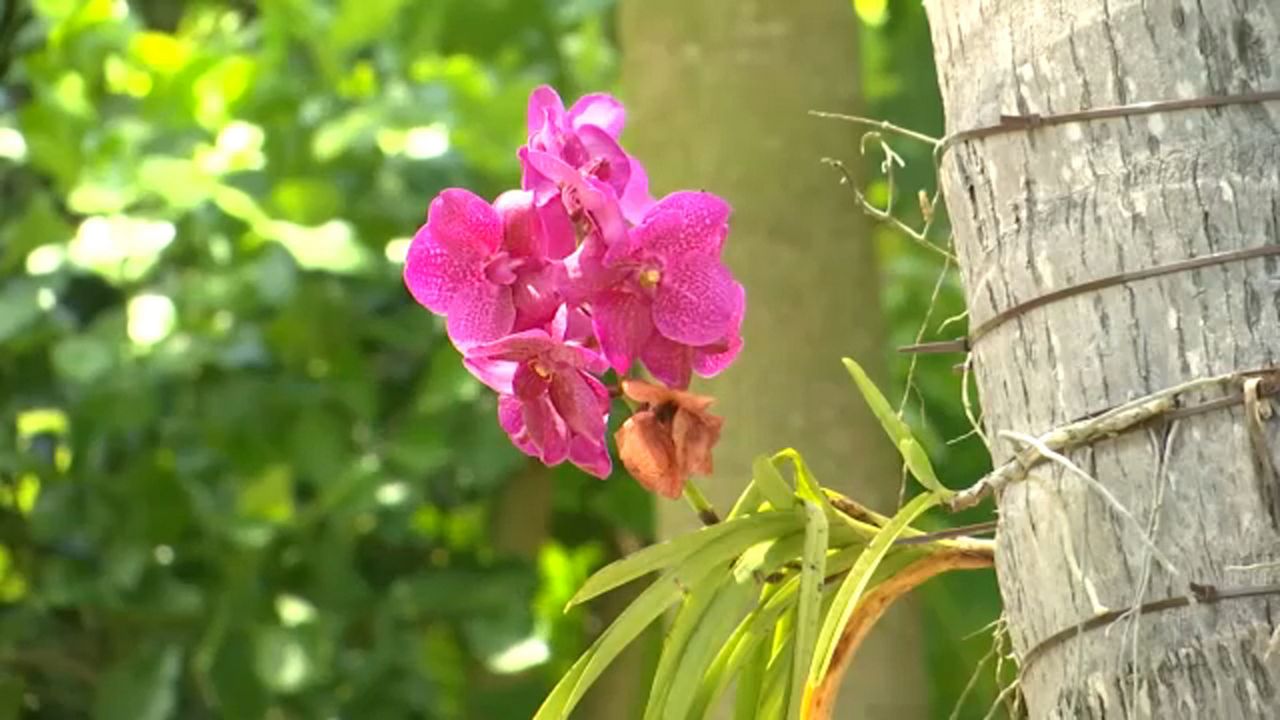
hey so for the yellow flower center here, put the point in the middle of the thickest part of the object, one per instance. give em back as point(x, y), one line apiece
point(649, 278)
point(542, 370)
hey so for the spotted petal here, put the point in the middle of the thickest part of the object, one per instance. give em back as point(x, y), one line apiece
point(433, 275)
point(623, 325)
point(697, 300)
point(463, 223)
point(668, 361)
point(684, 222)
point(480, 313)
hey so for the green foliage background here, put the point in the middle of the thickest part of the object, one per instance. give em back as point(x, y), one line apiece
point(241, 474)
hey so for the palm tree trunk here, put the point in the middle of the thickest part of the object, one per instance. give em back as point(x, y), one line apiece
point(719, 92)
point(1037, 210)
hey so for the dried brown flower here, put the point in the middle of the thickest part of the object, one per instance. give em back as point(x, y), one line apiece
point(670, 437)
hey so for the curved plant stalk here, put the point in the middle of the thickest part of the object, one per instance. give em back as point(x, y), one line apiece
point(965, 556)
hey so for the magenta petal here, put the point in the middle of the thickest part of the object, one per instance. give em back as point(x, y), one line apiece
point(684, 222)
point(573, 325)
point(433, 275)
point(588, 359)
point(535, 297)
point(602, 205)
point(580, 195)
point(578, 329)
point(527, 384)
point(550, 174)
point(599, 109)
point(585, 273)
point(580, 407)
point(623, 325)
point(480, 313)
point(668, 361)
point(546, 430)
point(710, 360)
point(697, 301)
point(544, 104)
point(511, 419)
point(496, 374)
point(522, 234)
point(463, 223)
point(516, 347)
point(608, 162)
point(559, 236)
point(636, 200)
point(590, 456)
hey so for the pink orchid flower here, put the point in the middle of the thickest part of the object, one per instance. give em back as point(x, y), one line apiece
point(550, 403)
point(585, 138)
point(489, 269)
point(664, 294)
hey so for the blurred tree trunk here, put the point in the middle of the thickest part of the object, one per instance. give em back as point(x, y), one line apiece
point(718, 93)
point(1039, 210)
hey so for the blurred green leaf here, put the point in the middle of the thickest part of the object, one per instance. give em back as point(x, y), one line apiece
point(360, 21)
point(19, 307)
point(83, 359)
point(142, 686)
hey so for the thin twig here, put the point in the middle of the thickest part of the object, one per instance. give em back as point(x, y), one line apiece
point(1004, 695)
point(1163, 443)
point(883, 214)
point(973, 681)
point(881, 125)
point(974, 421)
point(911, 365)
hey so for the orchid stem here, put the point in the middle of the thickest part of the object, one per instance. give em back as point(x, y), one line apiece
point(700, 504)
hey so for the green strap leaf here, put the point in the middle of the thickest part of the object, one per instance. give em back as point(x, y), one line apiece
point(751, 684)
point(760, 526)
point(773, 691)
point(856, 582)
point(809, 611)
point(715, 629)
point(771, 485)
point(674, 584)
point(899, 432)
point(687, 620)
point(748, 502)
point(806, 484)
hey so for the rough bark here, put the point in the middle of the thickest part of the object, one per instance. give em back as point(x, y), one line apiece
point(719, 92)
point(1039, 210)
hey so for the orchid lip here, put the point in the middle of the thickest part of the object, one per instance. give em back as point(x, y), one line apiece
point(502, 268)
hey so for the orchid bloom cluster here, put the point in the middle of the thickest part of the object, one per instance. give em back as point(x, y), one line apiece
point(578, 272)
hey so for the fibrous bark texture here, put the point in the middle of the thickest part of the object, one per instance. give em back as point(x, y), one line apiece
point(718, 93)
point(1041, 209)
